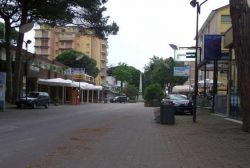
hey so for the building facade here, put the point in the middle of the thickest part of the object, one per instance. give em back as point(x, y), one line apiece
point(234, 100)
point(217, 23)
point(50, 42)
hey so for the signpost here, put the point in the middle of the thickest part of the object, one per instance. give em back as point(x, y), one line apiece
point(182, 71)
point(2, 90)
point(184, 54)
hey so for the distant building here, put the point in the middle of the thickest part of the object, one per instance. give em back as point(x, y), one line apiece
point(50, 42)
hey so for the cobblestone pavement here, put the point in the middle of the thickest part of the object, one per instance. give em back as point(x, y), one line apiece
point(131, 139)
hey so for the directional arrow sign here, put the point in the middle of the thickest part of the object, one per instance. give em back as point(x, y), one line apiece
point(190, 56)
point(190, 53)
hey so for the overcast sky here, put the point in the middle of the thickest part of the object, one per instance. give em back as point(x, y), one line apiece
point(148, 27)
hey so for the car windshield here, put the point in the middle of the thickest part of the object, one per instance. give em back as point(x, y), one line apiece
point(177, 97)
point(35, 95)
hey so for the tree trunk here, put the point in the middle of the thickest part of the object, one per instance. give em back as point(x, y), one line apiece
point(240, 13)
point(18, 77)
point(9, 92)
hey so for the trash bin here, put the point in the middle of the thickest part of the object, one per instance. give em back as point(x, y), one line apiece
point(167, 114)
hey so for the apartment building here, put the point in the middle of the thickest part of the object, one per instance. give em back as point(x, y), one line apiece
point(217, 23)
point(50, 42)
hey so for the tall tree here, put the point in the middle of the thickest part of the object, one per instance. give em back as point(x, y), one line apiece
point(135, 75)
point(16, 13)
point(162, 71)
point(13, 35)
point(131, 91)
point(240, 14)
point(122, 73)
point(69, 58)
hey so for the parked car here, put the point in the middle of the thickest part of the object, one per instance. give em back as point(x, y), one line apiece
point(33, 100)
point(119, 99)
point(181, 102)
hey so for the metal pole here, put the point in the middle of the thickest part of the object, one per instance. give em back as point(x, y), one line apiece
point(26, 71)
point(215, 82)
point(205, 80)
point(196, 68)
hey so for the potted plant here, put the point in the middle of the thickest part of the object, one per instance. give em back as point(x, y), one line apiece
point(153, 95)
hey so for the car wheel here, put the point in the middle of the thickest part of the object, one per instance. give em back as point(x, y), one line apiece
point(46, 105)
point(34, 105)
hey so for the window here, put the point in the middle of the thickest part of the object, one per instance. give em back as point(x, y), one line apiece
point(68, 44)
point(45, 33)
point(44, 51)
point(225, 19)
point(44, 42)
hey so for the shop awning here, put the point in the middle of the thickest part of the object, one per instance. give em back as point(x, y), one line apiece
point(68, 83)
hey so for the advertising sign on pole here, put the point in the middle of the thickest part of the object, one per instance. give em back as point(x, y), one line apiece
point(2, 90)
point(212, 47)
point(182, 71)
point(182, 53)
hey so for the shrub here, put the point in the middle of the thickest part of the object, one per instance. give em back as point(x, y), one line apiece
point(153, 92)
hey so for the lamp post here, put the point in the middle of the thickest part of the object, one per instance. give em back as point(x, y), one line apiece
point(196, 4)
point(26, 68)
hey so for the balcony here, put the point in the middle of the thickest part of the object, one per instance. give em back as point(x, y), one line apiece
point(42, 37)
point(66, 38)
point(103, 73)
point(103, 58)
point(41, 46)
point(64, 47)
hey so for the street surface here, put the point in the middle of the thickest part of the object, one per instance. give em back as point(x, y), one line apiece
point(117, 136)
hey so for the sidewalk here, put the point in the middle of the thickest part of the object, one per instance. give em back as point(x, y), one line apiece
point(210, 143)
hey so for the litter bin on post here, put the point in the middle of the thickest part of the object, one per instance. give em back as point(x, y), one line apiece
point(167, 111)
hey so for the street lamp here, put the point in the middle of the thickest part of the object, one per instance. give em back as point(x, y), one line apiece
point(26, 68)
point(196, 4)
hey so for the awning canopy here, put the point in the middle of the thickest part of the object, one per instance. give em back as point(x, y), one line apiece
point(182, 88)
point(68, 83)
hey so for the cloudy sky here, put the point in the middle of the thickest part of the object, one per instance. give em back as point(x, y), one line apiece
point(148, 27)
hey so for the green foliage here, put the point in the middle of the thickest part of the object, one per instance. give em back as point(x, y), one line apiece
point(162, 71)
point(153, 92)
point(13, 35)
point(135, 74)
point(69, 58)
point(122, 72)
point(87, 14)
point(131, 91)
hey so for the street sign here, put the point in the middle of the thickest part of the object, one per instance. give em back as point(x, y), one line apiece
point(190, 56)
point(182, 53)
point(212, 47)
point(182, 71)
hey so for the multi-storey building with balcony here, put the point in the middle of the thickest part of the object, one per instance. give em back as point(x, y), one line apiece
point(215, 67)
point(217, 23)
point(50, 42)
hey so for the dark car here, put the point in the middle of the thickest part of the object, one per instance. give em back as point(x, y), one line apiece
point(181, 102)
point(33, 100)
point(119, 99)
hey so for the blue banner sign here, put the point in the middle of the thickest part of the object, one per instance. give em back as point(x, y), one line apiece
point(182, 71)
point(212, 47)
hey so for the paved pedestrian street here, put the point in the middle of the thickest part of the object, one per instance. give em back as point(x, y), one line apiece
point(126, 136)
